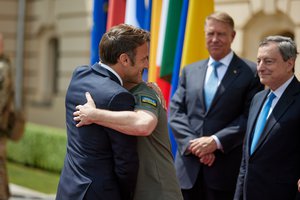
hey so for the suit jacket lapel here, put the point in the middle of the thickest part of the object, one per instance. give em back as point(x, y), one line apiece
point(230, 76)
point(201, 76)
point(104, 72)
point(257, 105)
point(281, 107)
point(257, 108)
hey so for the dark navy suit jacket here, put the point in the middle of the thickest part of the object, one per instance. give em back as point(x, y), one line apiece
point(100, 163)
point(226, 118)
point(272, 171)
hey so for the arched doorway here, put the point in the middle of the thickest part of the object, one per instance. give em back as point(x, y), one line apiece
point(262, 25)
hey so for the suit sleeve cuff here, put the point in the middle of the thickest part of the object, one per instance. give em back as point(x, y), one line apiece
point(219, 145)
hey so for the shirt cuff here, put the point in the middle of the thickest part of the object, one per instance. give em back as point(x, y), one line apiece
point(219, 145)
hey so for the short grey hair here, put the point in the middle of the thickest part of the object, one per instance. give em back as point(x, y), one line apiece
point(287, 47)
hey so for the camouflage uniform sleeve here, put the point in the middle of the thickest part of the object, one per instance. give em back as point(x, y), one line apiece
point(6, 93)
point(12, 122)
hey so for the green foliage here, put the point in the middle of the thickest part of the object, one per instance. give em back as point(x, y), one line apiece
point(41, 147)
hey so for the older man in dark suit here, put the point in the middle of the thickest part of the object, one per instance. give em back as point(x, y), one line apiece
point(104, 166)
point(208, 115)
point(270, 166)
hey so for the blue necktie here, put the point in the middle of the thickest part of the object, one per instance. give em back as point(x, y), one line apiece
point(261, 121)
point(211, 86)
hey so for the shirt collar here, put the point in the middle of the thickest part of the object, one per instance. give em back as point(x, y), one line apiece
point(279, 91)
point(112, 71)
point(225, 61)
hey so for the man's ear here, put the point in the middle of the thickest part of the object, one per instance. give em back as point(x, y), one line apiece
point(124, 59)
point(291, 64)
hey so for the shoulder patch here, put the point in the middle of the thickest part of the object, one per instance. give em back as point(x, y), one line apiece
point(149, 100)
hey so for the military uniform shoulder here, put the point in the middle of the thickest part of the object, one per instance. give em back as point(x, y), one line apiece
point(143, 88)
point(145, 95)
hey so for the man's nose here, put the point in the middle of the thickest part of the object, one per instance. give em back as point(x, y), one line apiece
point(259, 65)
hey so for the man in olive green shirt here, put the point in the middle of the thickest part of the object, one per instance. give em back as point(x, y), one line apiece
point(156, 177)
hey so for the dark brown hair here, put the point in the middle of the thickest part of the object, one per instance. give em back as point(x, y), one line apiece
point(120, 39)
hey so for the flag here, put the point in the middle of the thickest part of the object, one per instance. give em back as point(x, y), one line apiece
point(163, 84)
point(155, 24)
point(179, 46)
point(158, 21)
point(116, 13)
point(194, 42)
point(98, 27)
point(177, 61)
point(138, 13)
point(147, 19)
point(162, 31)
point(173, 13)
point(171, 33)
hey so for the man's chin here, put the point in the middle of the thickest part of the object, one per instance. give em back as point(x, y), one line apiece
point(263, 80)
point(216, 54)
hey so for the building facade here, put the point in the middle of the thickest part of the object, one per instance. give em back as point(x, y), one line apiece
point(57, 39)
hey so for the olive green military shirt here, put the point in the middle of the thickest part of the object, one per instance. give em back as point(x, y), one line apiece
point(156, 177)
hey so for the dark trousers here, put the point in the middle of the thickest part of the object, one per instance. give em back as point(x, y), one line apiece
point(200, 191)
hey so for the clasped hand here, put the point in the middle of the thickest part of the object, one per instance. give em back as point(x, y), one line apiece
point(204, 148)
